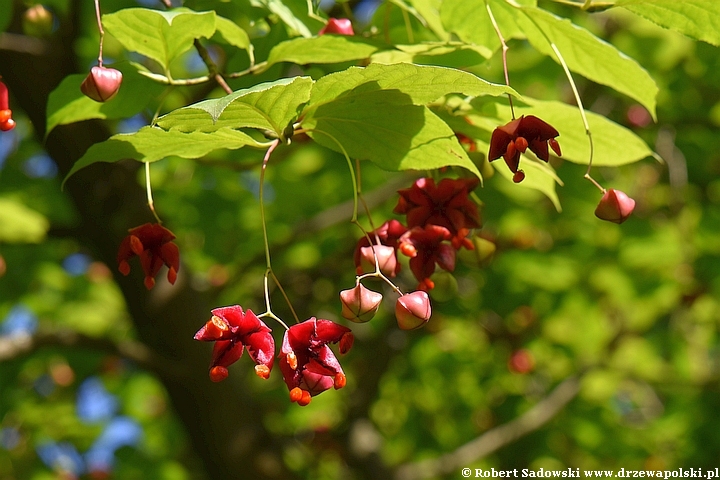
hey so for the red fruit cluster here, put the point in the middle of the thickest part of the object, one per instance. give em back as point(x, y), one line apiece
point(153, 244)
point(513, 139)
point(439, 219)
point(308, 365)
point(6, 121)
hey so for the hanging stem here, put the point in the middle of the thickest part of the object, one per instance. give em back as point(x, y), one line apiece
point(151, 203)
point(505, 48)
point(287, 299)
point(269, 151)
point(582, 114)
point(102, 32)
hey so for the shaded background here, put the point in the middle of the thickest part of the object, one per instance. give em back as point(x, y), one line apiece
point(607, 335)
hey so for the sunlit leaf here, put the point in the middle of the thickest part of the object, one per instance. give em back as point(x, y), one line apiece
point(267, 106)
point(160, 35)
point(588, 55)
point(232, 33)
point(699, 19)
point(150, 144)
point(449, 54)
point(323, 49)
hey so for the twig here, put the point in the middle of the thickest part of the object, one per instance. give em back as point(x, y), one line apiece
point(496, 438)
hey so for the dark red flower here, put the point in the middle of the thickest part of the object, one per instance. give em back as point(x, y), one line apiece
point(427, 247)
point(386, 234)
point(6, 121)
point(341, 26)
point(615, 206)
point(445, 205)
point(513, 139)
point(152, 243)
point(232, 331)
point(308, 365)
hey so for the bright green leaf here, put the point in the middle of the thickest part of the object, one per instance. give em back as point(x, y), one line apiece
point(384, 127)
point(19, 224)
point(323, 49)
point(67, 104)
point(588, 55)
point(537, 177)
point(449, 54)
point(159, 35)
point(150, 144)
point(430, 11)
point(469, 20)
point(419, 84)
point(286, 15)
point(232, 33)
point(699, 19)
point(267, 106)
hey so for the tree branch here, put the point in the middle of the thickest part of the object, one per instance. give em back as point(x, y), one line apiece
point(496, 438)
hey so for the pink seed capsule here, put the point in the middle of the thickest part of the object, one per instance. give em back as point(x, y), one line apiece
point(102, 83)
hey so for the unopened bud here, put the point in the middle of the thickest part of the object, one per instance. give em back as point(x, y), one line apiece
point(102, 83)
point(386, 258)
point(340, 26)
point(360, 304)
point(413, 310)
point(615, 206)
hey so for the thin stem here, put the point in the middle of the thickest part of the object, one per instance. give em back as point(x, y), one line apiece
point(151, 203)
point(582, 114)
point(505, 48)
point(212, 67)
point(269, 151)
point(287, 299)
point(268, 309)
point(408, 26)
point(378, 274)
point(350, 166)
point(256, 68)
point(102, 32)
point(360, 195)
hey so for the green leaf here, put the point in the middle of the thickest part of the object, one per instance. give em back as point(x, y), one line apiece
point(19, 224)
point(614, 145)
point(150, 144)
point(430, 11)
point(286, 15)
point(267, 106)
point(67, 104)
point(588, 55)
point(419, 84)
point(469, 20)
point(540, 177)
point(448, 54)
point(699, 19)
point(323, 49)
point(232, 33)
point(384, 127)
point(159, 35)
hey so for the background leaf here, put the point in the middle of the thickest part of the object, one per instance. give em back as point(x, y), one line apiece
point(159, 35)
point(698, 19)
point(20, 224)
